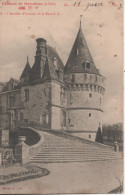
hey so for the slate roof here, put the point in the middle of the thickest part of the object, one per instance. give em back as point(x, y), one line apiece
point(51, 54)
point(7, 86)
point(26, 70)
point(49, 71)
point(79, 55)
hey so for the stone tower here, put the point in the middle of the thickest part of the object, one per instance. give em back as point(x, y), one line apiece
point(85, 90)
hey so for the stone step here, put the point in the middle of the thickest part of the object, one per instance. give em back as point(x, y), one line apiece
point(75, 152)
point(67, 149)
point(73, 155)
point(73, 146)
point(50, 160)
point(50, 150)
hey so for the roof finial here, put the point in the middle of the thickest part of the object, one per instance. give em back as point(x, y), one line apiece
point(80, 20)
point(27, 59)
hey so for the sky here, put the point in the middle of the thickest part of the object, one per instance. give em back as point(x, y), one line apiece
point(103, 30)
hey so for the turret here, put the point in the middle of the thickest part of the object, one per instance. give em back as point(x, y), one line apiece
point(85, 89)
point(26, 74)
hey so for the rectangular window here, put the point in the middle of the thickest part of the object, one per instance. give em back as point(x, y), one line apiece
point(77, 51)
point(47, 119)
point(57, 72)
point(69, 120)
point(11, 101)
point(62, 95)
point(44, 119)
point(90, 95)
point(85, 76)
point(73, 78)
point(63, 118)
point(26, 95)
point(89, 114)
point(21, 116)
point(88, 65)
point(89, 136)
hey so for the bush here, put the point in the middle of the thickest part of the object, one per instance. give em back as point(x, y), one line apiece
point(99, 137)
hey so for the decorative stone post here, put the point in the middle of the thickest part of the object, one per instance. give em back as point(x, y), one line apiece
point(22, 151)
point(116, 147)
point(4, 137)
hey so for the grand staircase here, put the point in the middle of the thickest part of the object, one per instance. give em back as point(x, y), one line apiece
point(61, 147)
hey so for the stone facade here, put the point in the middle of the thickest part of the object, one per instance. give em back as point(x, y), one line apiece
point(57, 97)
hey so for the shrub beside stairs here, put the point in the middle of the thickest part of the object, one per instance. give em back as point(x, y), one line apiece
point(59, 147)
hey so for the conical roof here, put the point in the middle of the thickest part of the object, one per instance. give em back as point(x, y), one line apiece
point(78, 57)
point(26, 70)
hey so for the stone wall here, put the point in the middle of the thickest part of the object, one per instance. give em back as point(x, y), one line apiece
point(80, 119)
point(10, 108)
point(84, 99)
point(37, 109)
point(58, 106)
point(84, 103)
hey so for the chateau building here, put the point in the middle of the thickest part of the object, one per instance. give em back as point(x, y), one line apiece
point(56, 97)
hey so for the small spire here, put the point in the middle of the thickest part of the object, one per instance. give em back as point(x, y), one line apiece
point(80, 20)
point(27, 59)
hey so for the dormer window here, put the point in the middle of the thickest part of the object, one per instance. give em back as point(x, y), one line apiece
point(87, 65)
point(77, 52)
point(55, 63)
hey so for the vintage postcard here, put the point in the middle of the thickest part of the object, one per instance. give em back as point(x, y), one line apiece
point(61, 96)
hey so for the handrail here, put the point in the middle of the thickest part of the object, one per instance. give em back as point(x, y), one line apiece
point(34, 149)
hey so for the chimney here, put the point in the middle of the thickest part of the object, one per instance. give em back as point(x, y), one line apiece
point(41, 47)
point(40, 59)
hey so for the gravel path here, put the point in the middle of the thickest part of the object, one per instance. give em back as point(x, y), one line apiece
point(86, 177)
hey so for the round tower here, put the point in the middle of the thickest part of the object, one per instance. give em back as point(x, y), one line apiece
point(85, 90)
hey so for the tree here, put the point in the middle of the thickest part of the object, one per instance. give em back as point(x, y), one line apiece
point(99, 137)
